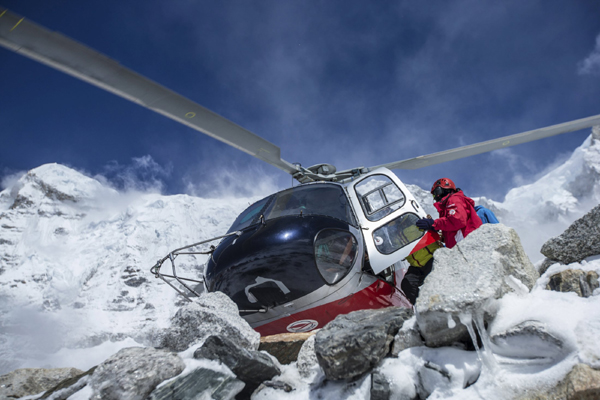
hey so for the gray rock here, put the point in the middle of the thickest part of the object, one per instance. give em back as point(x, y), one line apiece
point(547, 263)
point(354, 343)
point(251, 367)
point(68, 387)
point(582, 383)
point(407, 337)
point(579, 241)
point(440, 374)
point(431, 377)
point(133, 373)
point(210, 314)
point(284, 346)
point(527, 340)
point(574, 280)
point(202, 383)
point(278, 385)
point(467, 278)
point(380, 387)
point(307, 362)
point(30, 381)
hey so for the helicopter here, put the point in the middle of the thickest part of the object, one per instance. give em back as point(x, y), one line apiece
point(296, 259)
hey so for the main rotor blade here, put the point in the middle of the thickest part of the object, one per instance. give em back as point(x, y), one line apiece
point(66, 55)
point(494, 144)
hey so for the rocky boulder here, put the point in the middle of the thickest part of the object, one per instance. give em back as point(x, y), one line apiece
point(133, 373)
point(408, 336)
point(380, 387)
point(579, 241)
point(202, 383)
point(285, 346)
point(528, 340)
point(251, 367)
point(574, 280)
point(354, 343)
point(69, 386)
point(467, 278)
point(210, 314)
point(582, 383)
point(307, 362)
point(29, 381)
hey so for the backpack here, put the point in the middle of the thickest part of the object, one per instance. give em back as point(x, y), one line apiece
point(424, 249)
point(486, 215)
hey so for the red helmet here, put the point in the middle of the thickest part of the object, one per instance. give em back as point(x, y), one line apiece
point(444, 183)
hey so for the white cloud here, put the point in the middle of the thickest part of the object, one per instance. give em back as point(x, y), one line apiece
point(143, 174)
point(236, 182)
point(591, 65)
point(10, 179)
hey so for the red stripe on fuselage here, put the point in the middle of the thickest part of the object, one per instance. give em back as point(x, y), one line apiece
point(378, 295)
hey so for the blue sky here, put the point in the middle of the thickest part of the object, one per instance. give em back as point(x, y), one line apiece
point(352, 83)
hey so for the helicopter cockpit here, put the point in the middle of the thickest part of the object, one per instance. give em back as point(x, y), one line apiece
point(325, 199)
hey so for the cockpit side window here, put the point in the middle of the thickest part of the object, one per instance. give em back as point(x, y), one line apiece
point(251, 215)
point(379, 196)
point(315, 199)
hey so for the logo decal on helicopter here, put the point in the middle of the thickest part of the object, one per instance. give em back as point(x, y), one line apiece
point(304, 325)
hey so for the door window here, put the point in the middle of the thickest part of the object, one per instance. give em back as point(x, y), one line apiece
point(397, 233)
point(379, 196)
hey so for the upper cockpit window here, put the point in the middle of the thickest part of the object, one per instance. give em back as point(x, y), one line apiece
point(316, 199)
point(379, 196)
point(251, 215)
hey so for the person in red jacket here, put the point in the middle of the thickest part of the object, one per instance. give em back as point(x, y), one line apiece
point(457, 219)
point(457, 212)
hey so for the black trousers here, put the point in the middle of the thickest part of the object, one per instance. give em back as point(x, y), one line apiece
point(414, 278)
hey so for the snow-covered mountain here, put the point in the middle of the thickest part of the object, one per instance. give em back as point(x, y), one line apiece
point(75, 260)
point(546, 207)
point(75, 254)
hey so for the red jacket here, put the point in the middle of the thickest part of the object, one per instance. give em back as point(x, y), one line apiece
point(457, 218)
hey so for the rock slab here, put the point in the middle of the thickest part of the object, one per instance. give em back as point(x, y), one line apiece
point(574, 280)
point(380, 387)
point(579, 241)
point(354, 343)
point(466, 278)
point(202, 383)
point(251, 367)
point(407, 337)
point(582, 383)
point(307, 362)
point(133, 373)
point(528, 339)
point(28, 381)
point(285, 346)
point(210, 314)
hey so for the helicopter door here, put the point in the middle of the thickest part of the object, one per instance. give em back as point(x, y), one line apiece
point(387, 212)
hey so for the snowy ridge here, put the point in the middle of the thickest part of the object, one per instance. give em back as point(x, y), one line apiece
point(76, 257)
point(546, 207)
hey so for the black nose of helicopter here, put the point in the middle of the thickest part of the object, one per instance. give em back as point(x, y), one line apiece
point(274, 262)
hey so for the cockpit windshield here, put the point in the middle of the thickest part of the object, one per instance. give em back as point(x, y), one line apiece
point(315, 199)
